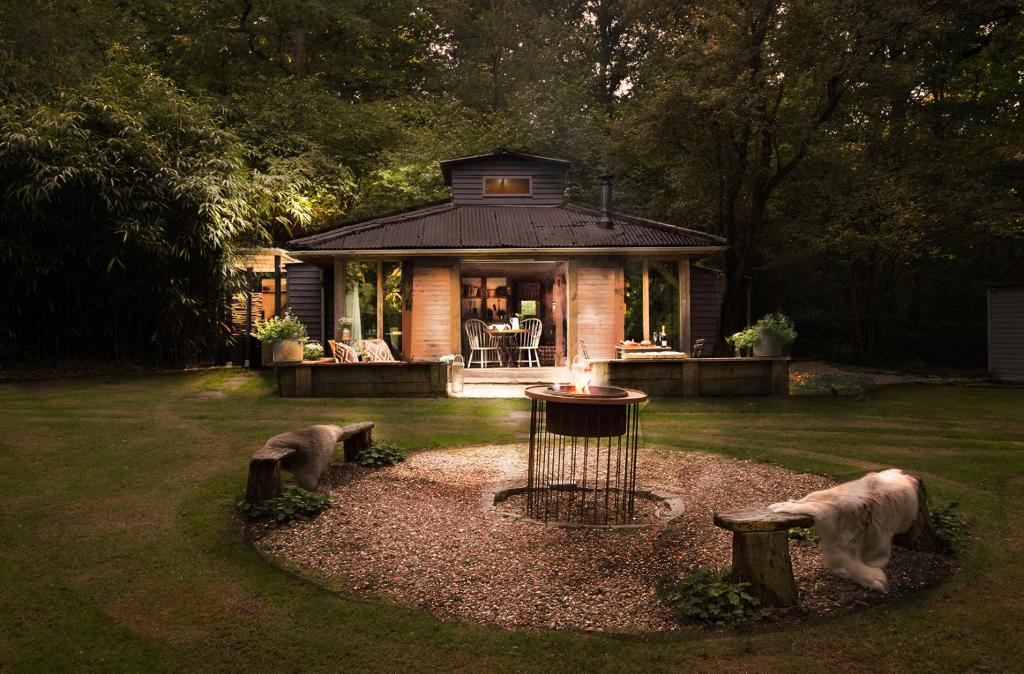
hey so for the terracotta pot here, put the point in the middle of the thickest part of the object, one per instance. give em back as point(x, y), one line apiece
point(767, 347)
point(288, 351)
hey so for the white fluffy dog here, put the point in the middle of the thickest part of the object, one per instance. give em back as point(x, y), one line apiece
point(857, 520)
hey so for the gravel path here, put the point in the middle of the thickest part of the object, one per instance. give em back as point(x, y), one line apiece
point(416, 534)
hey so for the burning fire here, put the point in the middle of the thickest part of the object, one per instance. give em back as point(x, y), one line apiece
point(581, 375)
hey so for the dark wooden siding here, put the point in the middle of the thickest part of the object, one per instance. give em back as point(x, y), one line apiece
point(706, 302)
point(548, 182)
point(305, 297)
point(1006, 333)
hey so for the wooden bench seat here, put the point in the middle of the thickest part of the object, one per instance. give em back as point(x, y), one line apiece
point(760, 551)
point(265, 465)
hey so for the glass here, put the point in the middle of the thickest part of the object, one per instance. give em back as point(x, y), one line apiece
point(361, 299)
point(393, 307)
point(633, 319)
point(663, 289)
point(506, 187)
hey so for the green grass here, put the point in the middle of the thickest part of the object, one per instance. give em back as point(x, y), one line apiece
point(119, 550)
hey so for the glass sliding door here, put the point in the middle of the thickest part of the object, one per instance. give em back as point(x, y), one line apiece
point(663, 303)
point(391, 302)
point(633, 271)
point(651, 290)
point(361, 299)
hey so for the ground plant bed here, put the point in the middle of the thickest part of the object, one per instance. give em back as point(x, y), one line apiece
point(417, 534)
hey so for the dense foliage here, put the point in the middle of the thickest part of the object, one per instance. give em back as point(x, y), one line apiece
point(864, 160)
point(713, 597)
point(380, 455)
point(294, 503)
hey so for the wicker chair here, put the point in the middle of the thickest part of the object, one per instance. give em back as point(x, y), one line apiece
point(529, 343)
point(481, 344)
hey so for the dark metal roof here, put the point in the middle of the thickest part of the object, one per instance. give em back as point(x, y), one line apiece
point(448, 164)
point(451, 226)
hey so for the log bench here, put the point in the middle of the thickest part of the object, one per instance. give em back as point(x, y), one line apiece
point(306, 452)
point(760, 552)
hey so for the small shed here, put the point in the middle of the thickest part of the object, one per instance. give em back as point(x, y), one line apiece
point(1006, 324)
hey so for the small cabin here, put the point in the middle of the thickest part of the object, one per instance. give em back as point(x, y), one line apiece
point(1006, 324)
point(507, 244)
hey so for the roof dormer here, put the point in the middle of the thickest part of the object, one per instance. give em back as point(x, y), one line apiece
point(506, 178)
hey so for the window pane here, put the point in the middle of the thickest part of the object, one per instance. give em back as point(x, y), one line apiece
point(664, 298)
point(634, 315)
point(393, 307)
point(361, 299)
point(507, 186)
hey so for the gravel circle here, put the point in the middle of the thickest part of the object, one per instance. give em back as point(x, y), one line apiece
point(417, 534)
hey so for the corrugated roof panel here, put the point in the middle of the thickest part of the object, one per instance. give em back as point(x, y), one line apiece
point(499, 227)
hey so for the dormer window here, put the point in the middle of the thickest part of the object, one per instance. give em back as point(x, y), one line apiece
point(505, 186)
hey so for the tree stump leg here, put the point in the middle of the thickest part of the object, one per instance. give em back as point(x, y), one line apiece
point(355, 444)
point(762, 559)
point(264, 481)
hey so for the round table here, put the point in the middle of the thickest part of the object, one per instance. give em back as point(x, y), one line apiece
point(508, 343)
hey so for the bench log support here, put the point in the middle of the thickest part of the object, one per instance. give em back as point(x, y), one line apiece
point(760, 552)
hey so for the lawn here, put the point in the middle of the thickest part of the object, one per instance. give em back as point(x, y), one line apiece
point(119, 549)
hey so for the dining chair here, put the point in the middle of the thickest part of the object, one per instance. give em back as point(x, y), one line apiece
point(529, 343)
point(480, 344)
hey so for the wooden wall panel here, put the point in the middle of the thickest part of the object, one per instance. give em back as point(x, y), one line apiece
point(432, 311)
point(598, 306)
point(305, 296)
point(705, 303)
point(1006, 333)
point(548, 182)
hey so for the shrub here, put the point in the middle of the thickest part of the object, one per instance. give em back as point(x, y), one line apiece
point(804, 535)
point(379, 455)
point(778, 327)
point(312, 351)
point(745, 339)
point(950, 526)
point(712, 597)
point(282, 327)
point(293, 503)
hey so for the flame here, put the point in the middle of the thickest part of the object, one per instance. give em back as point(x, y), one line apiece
point(581, 375)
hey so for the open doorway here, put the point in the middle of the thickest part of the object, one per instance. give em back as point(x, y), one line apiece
point(495, 292)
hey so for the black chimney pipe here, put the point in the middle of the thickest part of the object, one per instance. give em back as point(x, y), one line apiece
point(606, 201)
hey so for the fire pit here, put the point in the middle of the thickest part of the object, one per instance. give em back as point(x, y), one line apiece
point(582, 460)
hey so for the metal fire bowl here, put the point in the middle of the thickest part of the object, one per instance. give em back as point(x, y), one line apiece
point(600, 414)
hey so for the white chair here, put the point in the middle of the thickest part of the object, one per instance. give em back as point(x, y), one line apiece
point(480, 344)
point(529, 342)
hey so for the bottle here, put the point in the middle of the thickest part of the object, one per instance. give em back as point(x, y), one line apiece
point(664, 337)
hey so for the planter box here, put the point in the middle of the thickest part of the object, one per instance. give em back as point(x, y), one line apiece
point(360, 380)
point(287, 351)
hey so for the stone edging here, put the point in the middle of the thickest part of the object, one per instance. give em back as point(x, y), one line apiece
point(495, 495)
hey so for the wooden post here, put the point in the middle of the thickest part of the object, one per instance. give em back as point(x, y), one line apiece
point(646, 300)
point(303, 381)
point(762, 559)
point(691, 379)
point(558, 315)
point(340, 283)
point(685, 312)
point(277, 285)
point(780, 377)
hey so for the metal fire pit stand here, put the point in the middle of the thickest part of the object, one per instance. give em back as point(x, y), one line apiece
point(583, 451)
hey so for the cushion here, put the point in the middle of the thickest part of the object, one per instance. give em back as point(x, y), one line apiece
point(343, 353)
point(378, 351)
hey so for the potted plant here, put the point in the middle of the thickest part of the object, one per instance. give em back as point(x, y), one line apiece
point(312, 351)
point(286, 334)
point(775, 333)
point(345, 324)
point(744, 340)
